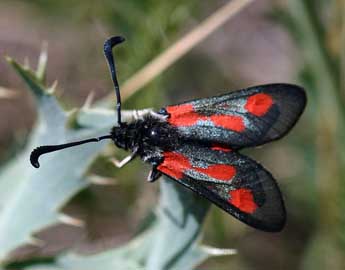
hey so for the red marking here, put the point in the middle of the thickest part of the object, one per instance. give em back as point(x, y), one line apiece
point(259, 104)
point(219, 147)
point(180, 109)
point(174, 164)
point(231, 122)
point(220, 172)
point(243, 199)
point(184, 115)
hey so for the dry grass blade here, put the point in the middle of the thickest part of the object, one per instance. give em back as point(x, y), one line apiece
point(181, 47)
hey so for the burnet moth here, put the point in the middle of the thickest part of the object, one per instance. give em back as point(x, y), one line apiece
point(196, 143)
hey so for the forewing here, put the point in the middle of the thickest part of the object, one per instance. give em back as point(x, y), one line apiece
point(235, 183)
point(243, 118)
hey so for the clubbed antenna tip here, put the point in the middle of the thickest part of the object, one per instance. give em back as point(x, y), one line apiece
point(108, 52)
point(37, 152)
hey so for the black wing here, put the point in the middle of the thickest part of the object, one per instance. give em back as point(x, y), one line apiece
point(244, 118)
point(235, 183)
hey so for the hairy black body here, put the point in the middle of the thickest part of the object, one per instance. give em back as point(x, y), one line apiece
point(146, 137)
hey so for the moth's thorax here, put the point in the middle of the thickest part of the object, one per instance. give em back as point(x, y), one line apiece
point(145, 134)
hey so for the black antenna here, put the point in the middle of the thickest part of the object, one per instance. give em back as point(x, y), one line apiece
point(108, 46)
point(36, 153)
point(108, 52)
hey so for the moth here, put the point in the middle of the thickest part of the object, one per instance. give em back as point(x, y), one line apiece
point(196, 143)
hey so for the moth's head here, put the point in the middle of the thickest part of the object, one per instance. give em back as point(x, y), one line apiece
point(120, 136)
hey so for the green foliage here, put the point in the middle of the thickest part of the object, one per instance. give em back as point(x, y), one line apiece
point(321, 69)
point(148, 26)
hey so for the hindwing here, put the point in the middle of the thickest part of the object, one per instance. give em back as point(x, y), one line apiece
point(234, 182)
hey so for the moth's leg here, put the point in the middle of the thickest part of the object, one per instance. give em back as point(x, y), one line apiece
point(154, 175)
point(120, 164)
point(155, 158)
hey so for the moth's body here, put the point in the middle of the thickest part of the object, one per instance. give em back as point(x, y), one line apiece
point(147, 136)
point(197, 143)
point(150, 135)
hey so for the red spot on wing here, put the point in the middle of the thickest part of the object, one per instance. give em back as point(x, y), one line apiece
point(180, 109)
point(259, 104)
point(219, 171)
point(174, 164)
point(243, 199)
point(184, 115)
point(231, 122)
point(219, 147)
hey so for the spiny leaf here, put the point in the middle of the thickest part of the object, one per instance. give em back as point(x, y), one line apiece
point(180, 217)
point(30, 199)
point(170, 243)
point(131, 256)
point(34, 83)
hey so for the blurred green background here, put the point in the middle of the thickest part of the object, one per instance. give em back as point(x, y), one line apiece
point(294, 41)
